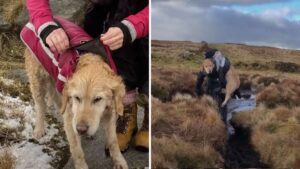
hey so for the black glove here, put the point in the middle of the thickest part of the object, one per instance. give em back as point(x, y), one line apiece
point(200, 79)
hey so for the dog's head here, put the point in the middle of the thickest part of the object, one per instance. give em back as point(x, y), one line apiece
point(93, 91)
point(208, 66)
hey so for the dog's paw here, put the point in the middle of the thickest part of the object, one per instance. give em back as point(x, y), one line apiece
point(38, 133)
point(81, 165)
point(120, 165)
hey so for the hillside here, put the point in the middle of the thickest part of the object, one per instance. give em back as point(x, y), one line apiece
point(259, 142)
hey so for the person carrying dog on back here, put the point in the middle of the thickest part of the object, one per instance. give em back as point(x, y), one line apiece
point(220, 74)
point(222, 65)
point(123, 26)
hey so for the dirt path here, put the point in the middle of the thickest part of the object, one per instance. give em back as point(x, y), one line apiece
point(239, 153)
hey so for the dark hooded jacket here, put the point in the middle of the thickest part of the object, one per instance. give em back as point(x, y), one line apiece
point(132, 59)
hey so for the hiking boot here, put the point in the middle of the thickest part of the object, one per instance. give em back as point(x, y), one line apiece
point(127, 126)
point(142, 136)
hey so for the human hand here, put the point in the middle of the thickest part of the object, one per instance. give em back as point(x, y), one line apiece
point(113, 38)
point(58, 40)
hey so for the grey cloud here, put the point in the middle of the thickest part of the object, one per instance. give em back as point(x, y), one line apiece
point(216, 25)
point(208, 3)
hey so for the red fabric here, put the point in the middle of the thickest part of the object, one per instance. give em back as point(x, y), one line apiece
point(75, 33)
point(140, 22)
point(57, 65)
point(110, 59)
point(39, 12)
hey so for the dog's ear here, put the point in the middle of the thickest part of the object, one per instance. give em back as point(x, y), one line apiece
point(65, 100)
point(118, 96)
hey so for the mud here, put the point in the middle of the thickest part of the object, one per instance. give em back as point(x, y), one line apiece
point(239, 153)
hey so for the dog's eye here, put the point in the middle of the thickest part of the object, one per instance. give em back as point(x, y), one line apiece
point(97, 99)
point(78, 98)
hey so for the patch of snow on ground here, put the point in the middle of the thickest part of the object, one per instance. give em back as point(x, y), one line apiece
point(31, 156)
point(7, 81)
point(50, 133)
point(20, 115)
point(11, 123)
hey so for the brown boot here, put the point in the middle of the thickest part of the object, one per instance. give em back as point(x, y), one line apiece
point(127, 126)
point(142, 136)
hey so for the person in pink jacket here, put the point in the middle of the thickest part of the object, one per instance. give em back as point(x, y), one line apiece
point(122, 25)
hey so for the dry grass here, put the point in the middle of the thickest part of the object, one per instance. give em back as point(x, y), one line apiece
point(181, 126)
point(16, 90)
point(11, 47)
point(287, 93)
point(275, 134)
point(165, 53)
point(173, 152)
point(167, 82)
point(7, 160)
point(275, 123)
point(12, 9)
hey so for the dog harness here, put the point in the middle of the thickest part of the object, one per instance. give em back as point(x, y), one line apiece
point(60, 66)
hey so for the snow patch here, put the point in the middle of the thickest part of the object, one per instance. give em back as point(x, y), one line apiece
point(7, 82)
point(31, 156)
point(20, 115)
point(10, 123)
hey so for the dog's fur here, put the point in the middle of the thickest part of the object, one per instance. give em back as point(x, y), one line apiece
point(232, 78)
point(93, 93)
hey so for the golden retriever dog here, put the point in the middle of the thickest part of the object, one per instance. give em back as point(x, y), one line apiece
point(232, 78)
point(93, 95)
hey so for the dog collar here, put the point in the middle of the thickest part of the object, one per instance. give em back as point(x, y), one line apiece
point(96, 46)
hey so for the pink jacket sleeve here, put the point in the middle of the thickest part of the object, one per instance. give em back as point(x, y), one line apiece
point(40, 14)
point(140, 21)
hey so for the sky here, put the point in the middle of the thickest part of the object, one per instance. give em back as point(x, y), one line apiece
point(256, 22)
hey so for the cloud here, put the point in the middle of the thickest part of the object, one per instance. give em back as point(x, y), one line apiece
point(208, 3)
point(173, 21)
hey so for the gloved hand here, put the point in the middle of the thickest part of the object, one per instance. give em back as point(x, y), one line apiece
point(55, 38)
point(116, 37)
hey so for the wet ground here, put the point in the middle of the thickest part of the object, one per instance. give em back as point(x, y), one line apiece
point(239, 153)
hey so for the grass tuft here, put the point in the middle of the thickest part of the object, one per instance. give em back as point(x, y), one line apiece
point(7, 160)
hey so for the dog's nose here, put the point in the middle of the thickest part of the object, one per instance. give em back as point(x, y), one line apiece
point(82, 128)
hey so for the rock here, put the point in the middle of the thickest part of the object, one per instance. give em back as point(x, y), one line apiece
point(19, 74)
point(187, 55)
point(70, 9)
point(4, 26)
